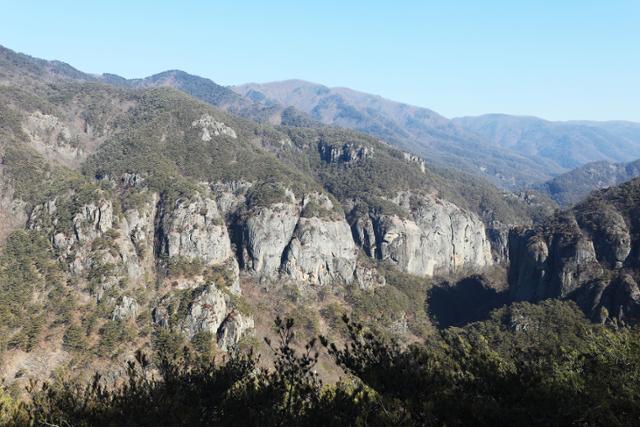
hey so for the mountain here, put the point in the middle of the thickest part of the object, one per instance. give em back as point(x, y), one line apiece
point(204, 90)
point(588, 254)
point(415, 129)
point(137, 217)
point(167, 217)
point(561, 145)
point(511, 151)
point(573, 186)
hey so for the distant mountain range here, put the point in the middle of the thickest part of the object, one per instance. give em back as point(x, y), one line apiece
point(513, 152)
point(575, 185)
point(437, 139)
point(510, 151)
point(560, 145)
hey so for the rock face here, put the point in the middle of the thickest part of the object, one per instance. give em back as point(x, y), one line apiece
point(50, 135)
point(498, 235)
point(126, 309)
point(588, 254)
point(206, 309)
point(211, 127)
point(103, 248)
point(195, 229)
point(235, 326)
point(267, 232)
point(321, 252)
point(368, 277)
point(117, 250)
point(299, 239)
point(346, 153)
point(93, 220)
point(436, 237)
point(412, 158)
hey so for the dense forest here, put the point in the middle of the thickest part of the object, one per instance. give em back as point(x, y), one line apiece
point(528, 364)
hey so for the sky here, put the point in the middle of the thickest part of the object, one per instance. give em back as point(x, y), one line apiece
point(560, 60)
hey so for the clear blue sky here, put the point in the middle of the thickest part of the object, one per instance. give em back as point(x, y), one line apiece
point(562, 59)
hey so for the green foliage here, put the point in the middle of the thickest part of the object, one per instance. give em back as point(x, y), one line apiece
point(333, 314)
point(28, 336)
point(307, 318)
point(26, 268)
point(457, 379)
point(159, 142)
point(184, 267)
point(415, 288)
point(134, 199)
point(99, 272)
point(10, 120)
point(266, 194)
point(75, 338)
point(404, 296)
point(203, 343)
point(314, 210)
point(112, 334)
point(167, 343)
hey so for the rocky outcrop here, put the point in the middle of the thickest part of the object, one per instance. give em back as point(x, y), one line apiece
point(100, 247)
point(587, 254)
point(498, 235)
point(368, 277)
point(194, 230)
point(233, 328)
point(551, 265)
point(411, 158)
point(436, 237)
point(230, 196)
point(206, 312)
point(210, 127)
point(305, 241)
point(89, 222)
point(129, 180)
point(206, 309)
point(345, 153)
point(127, 308)
point(93, 220)
point(52, 136)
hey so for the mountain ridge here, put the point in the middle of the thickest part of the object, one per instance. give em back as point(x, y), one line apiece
point(575, 185)
point(459, 142)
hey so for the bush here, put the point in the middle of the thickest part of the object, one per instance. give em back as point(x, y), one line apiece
point(75, 338)
point(458, 379)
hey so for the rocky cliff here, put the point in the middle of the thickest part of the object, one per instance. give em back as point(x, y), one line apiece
point(588, 254)
point(434, 237)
